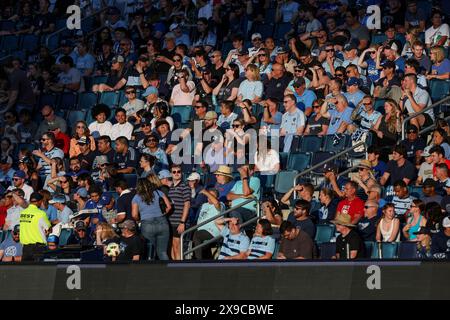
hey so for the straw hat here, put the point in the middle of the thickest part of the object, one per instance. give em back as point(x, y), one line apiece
point(344, 220)
point(224, 171)
point(366, 164)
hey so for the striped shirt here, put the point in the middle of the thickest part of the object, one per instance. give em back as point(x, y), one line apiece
point(260, 246)
point(54, 153)
point(233, 244)
point(179, 195)
point(402, 205)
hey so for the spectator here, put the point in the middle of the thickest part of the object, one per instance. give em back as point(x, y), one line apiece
point(293, 121)
point(351, 205)
point(263, 63)
point(423, 243)
point(304, 97)
point(252, 87)
point(125, 157)
point(81, 129)
point(154, 225)
point(133, 105)
point(327, 211)
point(126, 196)
point(441, 65)
point(438, 33)
point(366, 116)
point(413, 144)
point(271, 119)
point(184, 92)
point(11, 248)
point(278, 82)
point(62, 140)
point(225, 182)
point(429, 192)
point(420, 56)
point(348, 244)
point(413, 66)
point(367, 226)
point(438, 155)
point(101, 126)
point(331, 61)
point(301, 219)
point(440, 138)
point(235, 243)
point(105, 235)
point(69, 79)
point(262, 245)
point(388, 126)
point(63, 211)
point(20, 93)
point(402, 200)
point(228, 87)
point(339, 117)
point(18, 204)
point(388, 229)
point(48, 113)
point(426, 168)
point(440, 244)
point(388, 86)
point(227, 116)
point(415, 221)
point(130, 242)
point(365, 178)
point(48, 152)
point(18, 182)
point(295, 243)
point(115, 74)
point(399, 168)
point(85, 61)
point(122, 128)
point(86, 157)
point(369, 63)
point(104, 149)
point(353, 94)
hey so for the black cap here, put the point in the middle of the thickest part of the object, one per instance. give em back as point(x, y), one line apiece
point(412, 127)
point(35, 196)
point(389, 64)
point(429, 183)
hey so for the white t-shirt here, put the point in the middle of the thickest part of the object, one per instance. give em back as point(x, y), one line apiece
point(180, 98)
point(119, 130)
point(132, 108)
point(266, 165)
point(421, 97)
point(433, 35)
point(13, 216)
point(100, 129)
point(26, 189)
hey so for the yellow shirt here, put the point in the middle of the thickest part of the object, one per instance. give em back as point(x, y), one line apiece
point(33, 224)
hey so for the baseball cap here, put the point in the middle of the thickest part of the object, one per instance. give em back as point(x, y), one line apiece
point(118, 59)
point(412, 127)
point(129, 224)
point(426, 152)
point(193, 176)
point(146, 121)
point(174, 26)
point(210, 115)
point(16, 228)
point(429, 183)
point(80, 225)
point(35, 196)
point(170, 35)
point(300, 82)
point(101, 160)
point(388, 64)
point(242, 52)
point(256, 36)
point(53, 239)
point(350, 46)
point(446, 222)
point(282, 50)
point(82, 192)
point(150, 90)
point(52, 126)
point(105, 199)
point(58, 198)
point(20, 174)
point(82, 140)
point(352, 81)
point(163, 174)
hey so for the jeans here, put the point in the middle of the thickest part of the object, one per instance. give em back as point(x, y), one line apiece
point(156, 231)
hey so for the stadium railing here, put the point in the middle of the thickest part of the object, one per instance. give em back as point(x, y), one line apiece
point(322, 163)
point(414, 115)
point(196, 227)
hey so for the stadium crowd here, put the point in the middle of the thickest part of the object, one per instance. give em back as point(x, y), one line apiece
point(248, 94)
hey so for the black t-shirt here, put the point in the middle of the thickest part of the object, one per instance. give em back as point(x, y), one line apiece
point(217, 74)
point(395, 81)
point(86, 241)
point(124, 203)
point(19, 82)
point(354, 242)
point(315, 126)
point(129, 247)
point(305, 225)
point(399, 173)
point(86, 160)
point(367, 228)
point(129, 160)
point(274, 88)
point(440, 245)
point(412, 147)
point(225, 91)
point(109, 155)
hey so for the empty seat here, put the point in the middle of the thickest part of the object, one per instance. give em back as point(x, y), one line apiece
point(48, 99)
point(324, 233)
point(68, 100)
point(30, 42)
point(283, 160)
point(265, 29)
point(378, 38)
point(64, 236)
point(181, 114)
point(281, 30)
point(407, 250)
point(87, 100)
point(335, 143)
point(379, 105)
point(416, 191)
point(299, 161)
point(439, 89)
point(285, 180)
point(319, 157)
point(110, 98)
point(10, 43)
point(311, 143)
point(371, 249)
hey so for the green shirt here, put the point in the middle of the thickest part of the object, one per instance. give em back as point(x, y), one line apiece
point(238, 189)
point(33, 224)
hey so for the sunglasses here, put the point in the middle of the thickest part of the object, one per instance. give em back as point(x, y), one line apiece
point(339, 74)
point(65, 181)
point(316, 106)
point(152, 140)
point(17, 179)
point(103, 165)
point(329, 50)
point(198, 107)
point(367, 207)
point(175, 172)
point(367, 103)
point(236, 125)
point(409, 132)
point(297, 208)
point(299, 70)
point(348, 72)
point(44, 139)
point(176, 60)
point(130, 92)
point(262, 55)
point(81, 127)
point(145, 125)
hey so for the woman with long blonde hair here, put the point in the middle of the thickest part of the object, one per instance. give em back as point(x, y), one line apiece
point(412, 35)
point(252, 87)
point(389, 125)
point(441, 65)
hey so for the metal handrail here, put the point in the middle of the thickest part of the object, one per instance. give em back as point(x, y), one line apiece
point(320, 164)
point(414, 115)
point(216, 239)
point(431, 127)
point(65, 28)
point(194, 228)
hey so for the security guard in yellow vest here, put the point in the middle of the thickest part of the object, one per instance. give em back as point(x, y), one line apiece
point(34, 227)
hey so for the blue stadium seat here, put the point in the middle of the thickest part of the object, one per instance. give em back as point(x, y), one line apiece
point(378, 38)
point(416, 191)
point(131, 179)
point(122, 98)
point(379, 105)
point(324, 233)
point(270, 16)
point(53, 41)
point(265, 29)
point(296, 145)
point(181, 114)
point(68, 100)
point(74, 116)
point(27, 146)
point(64, 236)
point(30, 42)
point(439, 89)
point(407, 250)
point(299, 161)
point(48, 99)
point(389, 250)
point(319, 157)
point(371, 249)
point(327, 250)
point(226, 47)
point(10, 43)
point(281, 30)
point(311, 143)
point(1, 236)
point(99, 79)
point(284, 180)
point(87, 100)
point(110, 98)
point(332, 144)
point(283, 160)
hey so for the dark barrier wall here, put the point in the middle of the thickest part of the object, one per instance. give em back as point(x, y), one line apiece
point(260, 281)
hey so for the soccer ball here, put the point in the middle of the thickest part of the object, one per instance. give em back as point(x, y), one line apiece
point(112, 250)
